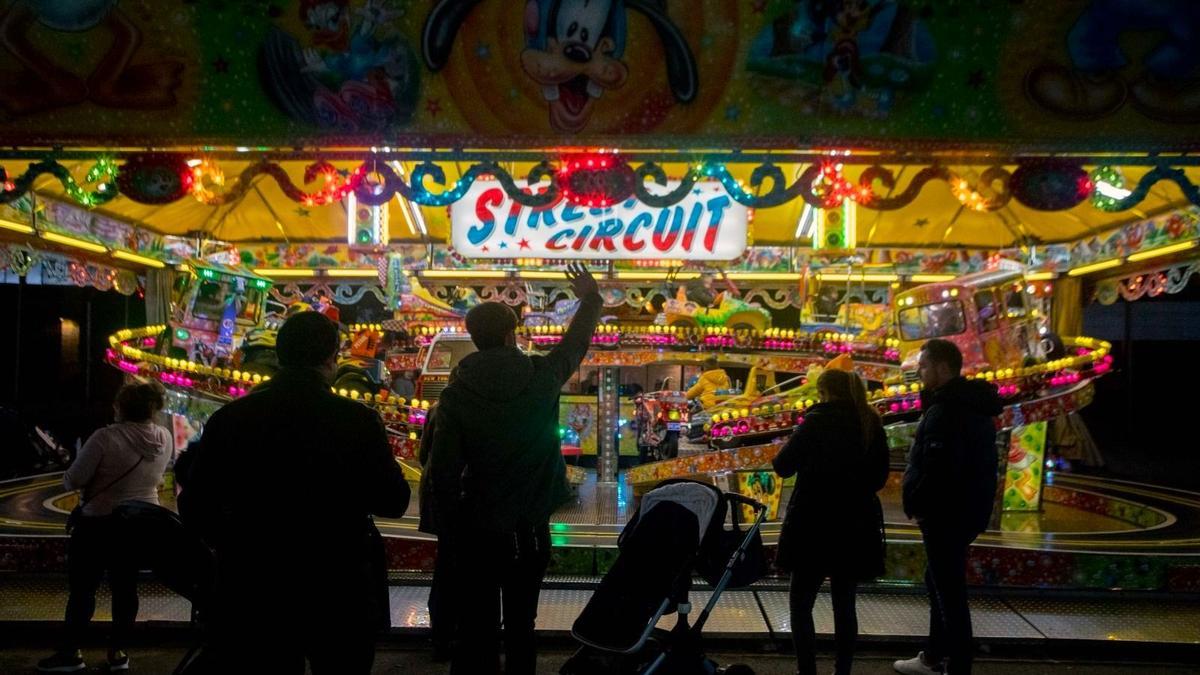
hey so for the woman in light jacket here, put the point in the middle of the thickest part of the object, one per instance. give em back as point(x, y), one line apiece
point(123, 461)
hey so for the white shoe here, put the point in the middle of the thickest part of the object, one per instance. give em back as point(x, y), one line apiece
point(917, 665)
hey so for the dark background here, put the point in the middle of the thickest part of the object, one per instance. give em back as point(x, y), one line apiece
point(68, 391)
point(1145, 418)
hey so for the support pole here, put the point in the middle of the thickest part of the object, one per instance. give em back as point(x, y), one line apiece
point(607, 426)
point(17, 343)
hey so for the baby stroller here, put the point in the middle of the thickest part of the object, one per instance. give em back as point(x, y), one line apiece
point(679, 527)
point(156, 539)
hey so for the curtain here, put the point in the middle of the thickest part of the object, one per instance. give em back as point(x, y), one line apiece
point(158, 296)
point(1066, 316)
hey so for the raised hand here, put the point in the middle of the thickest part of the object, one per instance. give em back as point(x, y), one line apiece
point(582, 281)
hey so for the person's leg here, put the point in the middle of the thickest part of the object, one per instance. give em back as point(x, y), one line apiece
point(935, 646)
point(256, 625)
point(521, 588)
point(845, 622)
point(801, 598)
point(441, 599)
point(85, 571)
point(480, 561)
point(122, 581)
point(334, 651)
point(947, 568)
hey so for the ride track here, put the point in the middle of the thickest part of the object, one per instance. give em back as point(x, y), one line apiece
point(37, 506)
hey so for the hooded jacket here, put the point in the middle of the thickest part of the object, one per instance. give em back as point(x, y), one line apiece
point(100, 468)
point(496, 456)
point(707, 386)
point(950, 480)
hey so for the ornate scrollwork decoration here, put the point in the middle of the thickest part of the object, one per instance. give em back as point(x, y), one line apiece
point(654, 172)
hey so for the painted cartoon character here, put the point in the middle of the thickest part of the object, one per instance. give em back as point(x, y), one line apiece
point(354, 76)
point(114, 81)
point(573, 50)
point(1167, 86)
point(853, 54)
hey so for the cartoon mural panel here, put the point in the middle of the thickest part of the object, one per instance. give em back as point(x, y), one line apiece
point(346, 69)
point(1075, 74)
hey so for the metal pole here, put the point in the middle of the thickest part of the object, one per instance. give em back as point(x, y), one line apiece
point(17, 347)
point(87, 351)
point(1127, 366)
point(607, 426)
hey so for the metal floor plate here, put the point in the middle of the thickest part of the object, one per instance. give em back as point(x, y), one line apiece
point(46, 600)
point(736, 613)
point(32, 599)
point(901, 615)
point(1131, 620)
point(409, 606)
point(559, 607)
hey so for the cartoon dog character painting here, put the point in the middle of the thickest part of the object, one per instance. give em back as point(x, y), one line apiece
point(573, 51)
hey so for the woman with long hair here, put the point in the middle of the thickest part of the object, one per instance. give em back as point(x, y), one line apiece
point(123, 461)
point(834, 523)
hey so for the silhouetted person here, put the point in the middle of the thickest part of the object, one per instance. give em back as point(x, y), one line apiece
point(442, 603)
point(839, 456)
point(122, 461)
point(498, 474)
point(284, 487)
point(949, 489)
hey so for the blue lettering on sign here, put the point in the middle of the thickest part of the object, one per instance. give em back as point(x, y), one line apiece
point(570, 213)
point(639, 221)
point(693, 223)
point(629, 227)
point(546, 215)
point(716, 207)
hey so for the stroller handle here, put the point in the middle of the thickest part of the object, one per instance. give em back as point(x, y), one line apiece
point(745, 501)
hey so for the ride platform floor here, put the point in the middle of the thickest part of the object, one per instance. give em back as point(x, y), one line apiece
point(757, 613)
point(37, 507)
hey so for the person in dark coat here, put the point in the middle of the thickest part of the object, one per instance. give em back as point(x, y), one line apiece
point(283, 487)
point(834, 523)
point(442, 602)
point(950, 489)
point(498, 474)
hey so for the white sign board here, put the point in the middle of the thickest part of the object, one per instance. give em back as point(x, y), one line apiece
point(705, 225)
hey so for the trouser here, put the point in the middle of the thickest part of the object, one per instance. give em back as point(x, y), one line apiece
point(92, 550)
point(494, 568)
point(269, 618)
point(949, 614)
point(285, 649)
point(442, 601)
point(803, 596)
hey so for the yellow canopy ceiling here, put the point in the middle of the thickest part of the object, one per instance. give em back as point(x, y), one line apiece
point(935, 219)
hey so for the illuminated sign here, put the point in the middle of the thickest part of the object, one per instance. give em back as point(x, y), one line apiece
point(706, 225)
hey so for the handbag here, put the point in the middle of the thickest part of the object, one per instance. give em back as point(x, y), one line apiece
point(76, 514)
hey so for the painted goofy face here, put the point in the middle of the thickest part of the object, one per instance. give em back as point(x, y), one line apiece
point(579, 58)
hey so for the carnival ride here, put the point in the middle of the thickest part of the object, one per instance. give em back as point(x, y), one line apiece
point(743, 432)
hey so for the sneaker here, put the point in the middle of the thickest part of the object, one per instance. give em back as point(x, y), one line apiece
point(917, 665)
point(62, 662)
point(117, 660)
